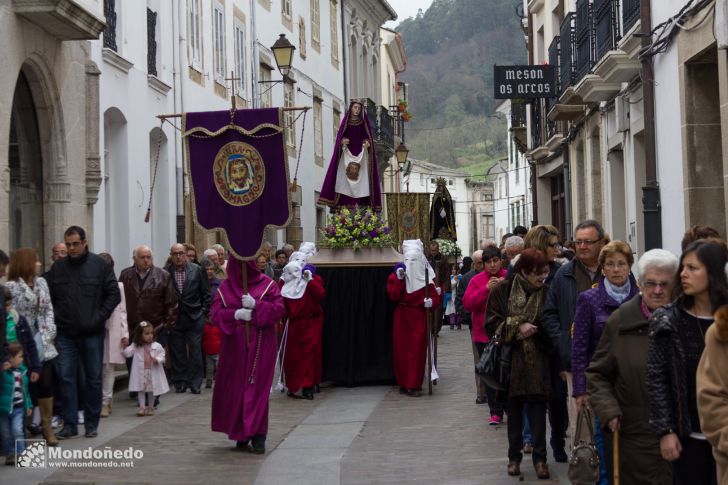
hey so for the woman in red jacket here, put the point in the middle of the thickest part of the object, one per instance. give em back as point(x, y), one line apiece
point(475, 301)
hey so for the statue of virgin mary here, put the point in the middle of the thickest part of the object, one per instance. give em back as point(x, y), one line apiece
point(353, 176)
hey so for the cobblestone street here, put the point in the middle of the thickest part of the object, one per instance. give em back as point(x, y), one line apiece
point(349, 436)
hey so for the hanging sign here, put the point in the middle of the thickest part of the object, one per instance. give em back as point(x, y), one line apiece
point(512, 82)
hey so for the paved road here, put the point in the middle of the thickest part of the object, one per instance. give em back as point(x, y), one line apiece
point(345, 436)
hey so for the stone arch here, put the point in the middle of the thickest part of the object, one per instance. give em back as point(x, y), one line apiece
point(38, 187)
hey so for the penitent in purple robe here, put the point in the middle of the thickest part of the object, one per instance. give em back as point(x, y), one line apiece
point(356, 132)
point(239, 407)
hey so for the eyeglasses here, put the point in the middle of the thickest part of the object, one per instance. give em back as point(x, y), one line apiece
point(617, 265)
point(179, 254)
point(554, 245)
point(585, 242)
point(651, 285)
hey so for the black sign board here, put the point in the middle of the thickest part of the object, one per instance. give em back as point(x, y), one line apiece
point(524, 82)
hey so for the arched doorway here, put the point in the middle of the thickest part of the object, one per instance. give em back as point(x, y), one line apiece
point(26, 209)
point(116, 185)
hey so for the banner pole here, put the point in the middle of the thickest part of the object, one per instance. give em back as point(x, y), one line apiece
point(245, 292)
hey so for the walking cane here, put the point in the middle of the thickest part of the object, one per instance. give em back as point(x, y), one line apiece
point(428, 312)
point(615, 460)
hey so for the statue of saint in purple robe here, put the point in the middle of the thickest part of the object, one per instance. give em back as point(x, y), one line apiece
point(353, 176)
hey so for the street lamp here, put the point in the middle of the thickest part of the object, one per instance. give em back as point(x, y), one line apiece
point(401, 152)
point(283, 53)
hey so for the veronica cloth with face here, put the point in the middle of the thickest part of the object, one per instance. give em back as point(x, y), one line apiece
point(345, 192)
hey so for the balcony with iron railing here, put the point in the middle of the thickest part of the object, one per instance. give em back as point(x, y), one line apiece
point(562, 54)
point(383, 131)
point(519, 122)
point(538, 148)
point(584, 46)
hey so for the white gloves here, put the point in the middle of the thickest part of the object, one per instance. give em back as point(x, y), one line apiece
point(248, 301)
point(400, 273)
point(428, 302)
point(307, 275)
point(438, 290)
point(244, 314)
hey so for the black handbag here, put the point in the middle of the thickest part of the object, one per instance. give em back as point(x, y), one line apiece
point(584, 460)
point(494, 367)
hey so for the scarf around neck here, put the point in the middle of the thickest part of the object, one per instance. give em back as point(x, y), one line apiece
point(525, 304)
point(618, 293)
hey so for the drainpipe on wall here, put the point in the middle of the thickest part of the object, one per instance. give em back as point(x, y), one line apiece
point(568, 230)
point(181, 226)
point(253, 57)
point(651, 191)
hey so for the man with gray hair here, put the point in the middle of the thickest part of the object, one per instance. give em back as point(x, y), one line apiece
point(464, 316)
point(512, 248)
point(211, 255)
point(288, 248)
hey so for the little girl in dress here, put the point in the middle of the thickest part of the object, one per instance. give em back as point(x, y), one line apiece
point(147, 369)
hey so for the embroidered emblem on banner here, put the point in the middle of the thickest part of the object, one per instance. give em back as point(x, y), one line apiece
point(239, 173)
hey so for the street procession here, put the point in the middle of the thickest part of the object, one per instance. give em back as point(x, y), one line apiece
point(364, 242)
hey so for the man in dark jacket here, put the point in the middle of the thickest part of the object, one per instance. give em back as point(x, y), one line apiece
point(149, 295)
point(464, 316)
point(84, 292)
point(572, 279)
point(192, 288)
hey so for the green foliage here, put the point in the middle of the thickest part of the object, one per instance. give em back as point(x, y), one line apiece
point(451, 49)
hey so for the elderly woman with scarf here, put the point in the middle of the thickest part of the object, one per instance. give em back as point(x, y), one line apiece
point(593, 308)
point(617, 375)
point(247, 354)
point(415, 294)
point(302, 290)
point(517, 304)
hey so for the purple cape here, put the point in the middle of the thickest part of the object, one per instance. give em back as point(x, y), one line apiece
point(356, 133)
point(239, 407)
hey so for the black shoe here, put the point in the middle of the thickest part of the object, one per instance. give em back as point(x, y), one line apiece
point(91, 433)
point(67, 432)
point(294, 396)
point(156, 402)
point(180, 388)
point(243, 445)
point(308, 393)
point(317, 389)
point(258, 444)
point(560, 455)
point(34, 429)
point(195, 389)
point(481, 400)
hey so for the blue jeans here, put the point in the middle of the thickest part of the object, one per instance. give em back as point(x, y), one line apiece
point(527, 436)
point(11, 429)
point(599, 444)
point(88, 351)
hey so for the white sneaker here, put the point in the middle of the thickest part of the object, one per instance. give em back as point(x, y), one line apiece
point(80, 417)
point(56, 422)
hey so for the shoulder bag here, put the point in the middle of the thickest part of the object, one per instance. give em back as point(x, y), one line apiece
point(584, 460)
point(494, 367)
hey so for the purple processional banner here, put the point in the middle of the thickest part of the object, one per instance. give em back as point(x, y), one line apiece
point(239, 173)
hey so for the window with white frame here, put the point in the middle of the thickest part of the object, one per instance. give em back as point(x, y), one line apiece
point(218, 38)
point(289, 99)
point(302, 37)
point(333, 26)
point(240, 57)
point(315, 23)
point(195, 36)
point(286, 8)
point(266, 97)
point(336, 122)
point(318, 136)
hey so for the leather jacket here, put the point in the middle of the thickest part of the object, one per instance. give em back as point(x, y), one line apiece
point(156, 302)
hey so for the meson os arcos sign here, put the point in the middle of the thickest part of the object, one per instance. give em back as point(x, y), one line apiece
point(524, 82)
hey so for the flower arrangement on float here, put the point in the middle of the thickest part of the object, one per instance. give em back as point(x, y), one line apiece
point(358, 227)
point(449, 248)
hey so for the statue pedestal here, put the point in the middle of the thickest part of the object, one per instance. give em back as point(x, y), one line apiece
point(358, 315)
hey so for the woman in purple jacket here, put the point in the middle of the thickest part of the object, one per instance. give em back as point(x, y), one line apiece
point(593, 308)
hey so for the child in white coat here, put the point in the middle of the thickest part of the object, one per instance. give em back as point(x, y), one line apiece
point(147, 369)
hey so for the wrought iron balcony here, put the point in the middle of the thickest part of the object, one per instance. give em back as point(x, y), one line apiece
point(630, 14)
point(382, 125)
point(110, 30)
point(567, 48)
point(518, 113)
point(554, 61)
point(536, 124)
point(584, 38)
point(606, 26)
point(151, 42)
